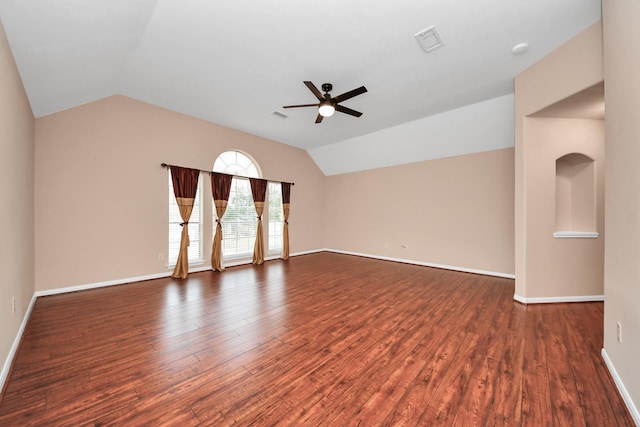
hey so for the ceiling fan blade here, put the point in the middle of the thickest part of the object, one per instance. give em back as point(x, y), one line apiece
point(319, 118)
point(301, 105)
point(315, 90)
point(350, 94)
point(348, 111)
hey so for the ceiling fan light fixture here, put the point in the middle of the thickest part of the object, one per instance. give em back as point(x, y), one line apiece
point(326, 109)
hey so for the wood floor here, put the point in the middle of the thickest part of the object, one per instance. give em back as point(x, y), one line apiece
point(319, 340)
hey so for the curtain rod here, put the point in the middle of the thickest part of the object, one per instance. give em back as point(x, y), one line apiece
point(166, 165)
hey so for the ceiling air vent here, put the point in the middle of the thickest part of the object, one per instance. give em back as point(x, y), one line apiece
point(429, 39)
point(279, 114)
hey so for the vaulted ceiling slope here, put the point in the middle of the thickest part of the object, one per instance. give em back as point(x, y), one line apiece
point(236, 62)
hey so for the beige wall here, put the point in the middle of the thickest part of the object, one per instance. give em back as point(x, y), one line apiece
point(101, 195)
point(16, 190)
point(622, 249)
point(571, 68)
point(456, 211)
point(561, 267)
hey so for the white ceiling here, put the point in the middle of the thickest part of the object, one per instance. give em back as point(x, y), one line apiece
point(236, 62)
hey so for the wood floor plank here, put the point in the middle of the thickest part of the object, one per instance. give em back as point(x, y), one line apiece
point(507, 404)
point(322, 339)
point(536, 395)
point(565, 401)
point(476, 403)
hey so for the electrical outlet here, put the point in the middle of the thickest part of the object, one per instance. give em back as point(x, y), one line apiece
point(619, 330)
point(13, 305)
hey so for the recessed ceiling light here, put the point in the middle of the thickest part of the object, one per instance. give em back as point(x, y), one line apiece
point(520, 48)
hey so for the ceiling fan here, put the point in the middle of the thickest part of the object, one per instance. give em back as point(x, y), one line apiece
point(328, 105)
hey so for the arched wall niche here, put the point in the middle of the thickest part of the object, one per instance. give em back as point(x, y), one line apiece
point(575, 194)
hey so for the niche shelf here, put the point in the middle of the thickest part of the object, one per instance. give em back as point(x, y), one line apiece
point(576, 235)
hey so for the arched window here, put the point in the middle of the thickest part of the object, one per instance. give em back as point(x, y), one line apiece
point(239, 222)
point(236, 163)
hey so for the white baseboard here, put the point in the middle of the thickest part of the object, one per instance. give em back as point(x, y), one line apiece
point(633, 409)
point(428, 264)
point(245, 261)
point(314, 251)
point(4, 375)
point(100, 284)
point(555, 300)
point(113, 282)
point(153, 276)
point(543, 300)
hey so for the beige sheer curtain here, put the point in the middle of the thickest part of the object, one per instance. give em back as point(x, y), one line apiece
point(220, 189)
point(286, 199)
point(258, 191)
point(185, 187)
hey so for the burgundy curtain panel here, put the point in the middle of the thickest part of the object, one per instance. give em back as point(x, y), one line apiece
point(286, 199)
point(220, 189)
point(258, 191)
point(185, 186)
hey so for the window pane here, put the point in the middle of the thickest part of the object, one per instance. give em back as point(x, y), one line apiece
point(252, 171)
point(228, 157)
point(195, 226)
point(243, 161)
point(239, 222)
point(276, 220)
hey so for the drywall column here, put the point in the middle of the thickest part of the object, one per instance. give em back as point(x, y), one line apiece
point(622, 198)
point(573, 67)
